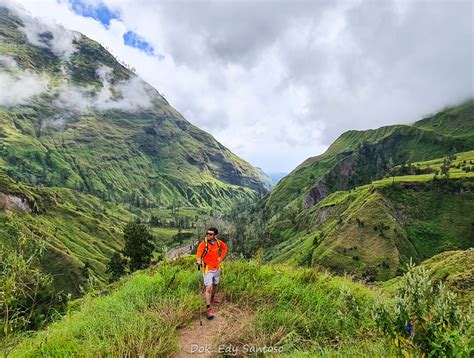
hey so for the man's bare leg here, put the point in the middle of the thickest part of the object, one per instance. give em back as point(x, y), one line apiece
point(208, 294)
point(215, 289)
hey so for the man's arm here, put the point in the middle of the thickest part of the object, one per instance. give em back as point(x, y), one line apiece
point(223, 252)
point(200, 251)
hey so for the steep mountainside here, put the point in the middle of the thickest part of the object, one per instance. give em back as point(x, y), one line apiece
point(86, 146)
point(79, 119)
point(332, 211)
point(74, 228)
point(358, 157)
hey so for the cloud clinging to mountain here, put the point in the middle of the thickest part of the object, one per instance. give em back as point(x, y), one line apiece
point(17, 86)
point(133, 95)
point(277, 81)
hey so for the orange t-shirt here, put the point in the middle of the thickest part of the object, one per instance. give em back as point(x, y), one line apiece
point(212, 253)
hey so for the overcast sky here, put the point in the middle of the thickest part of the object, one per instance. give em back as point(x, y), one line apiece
point(277, 81)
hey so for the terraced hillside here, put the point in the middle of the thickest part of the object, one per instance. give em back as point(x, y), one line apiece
point(376, 198)
point(86, 146)
point(90, 124)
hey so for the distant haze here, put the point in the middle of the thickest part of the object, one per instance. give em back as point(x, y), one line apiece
point(276, 176)
point(277, 81)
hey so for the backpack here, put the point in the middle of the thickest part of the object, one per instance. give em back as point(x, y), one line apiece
point(206, 249)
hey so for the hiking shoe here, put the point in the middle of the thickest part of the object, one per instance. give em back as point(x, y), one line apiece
point(209, 313)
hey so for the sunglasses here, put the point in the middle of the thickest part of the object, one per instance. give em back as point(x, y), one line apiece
point(210, 234)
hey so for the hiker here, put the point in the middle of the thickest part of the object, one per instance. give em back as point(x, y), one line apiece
point(208, 257)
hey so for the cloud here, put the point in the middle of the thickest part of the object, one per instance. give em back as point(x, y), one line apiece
point(278, 81)
point(45, 34)
point(17, 89)
point(8, 63)
point(131, 95)
point(17, 86)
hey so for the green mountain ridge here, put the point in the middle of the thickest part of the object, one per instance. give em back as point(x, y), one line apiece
point(357, 151)
point(98, 128)
point(87, 146)
point(336, 210)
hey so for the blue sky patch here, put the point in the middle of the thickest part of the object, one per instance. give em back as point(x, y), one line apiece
point(132, 39)
point(98, 12)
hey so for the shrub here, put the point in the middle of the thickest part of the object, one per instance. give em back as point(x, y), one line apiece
point(424, 319)
point(27, 298)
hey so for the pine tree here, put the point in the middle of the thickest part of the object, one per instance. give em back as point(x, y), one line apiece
point(138, 245)
point(116, 267)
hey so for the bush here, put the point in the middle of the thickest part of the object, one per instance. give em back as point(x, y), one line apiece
point(424, 319)
point(27, 298)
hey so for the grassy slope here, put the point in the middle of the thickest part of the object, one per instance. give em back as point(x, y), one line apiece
point(454, 268)
point(457, 121)
point(373, 230)
point(148, 308)
point(291, 233)
point(76, 228)
point(147, 157)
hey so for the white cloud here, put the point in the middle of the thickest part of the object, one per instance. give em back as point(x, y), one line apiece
point(130, 95)
point(15, 90)
point(45, 33)
point(8, 62)
point(17, 86)
point(278, 81)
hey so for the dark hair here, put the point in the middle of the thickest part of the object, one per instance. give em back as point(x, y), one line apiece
point(214, 230)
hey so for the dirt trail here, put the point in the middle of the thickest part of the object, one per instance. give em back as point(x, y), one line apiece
point(202, 341)
point(181, 251)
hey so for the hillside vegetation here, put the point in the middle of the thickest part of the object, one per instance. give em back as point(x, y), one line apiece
point(98, 128)
point(374, 200)
point(454, 268)
point(86, 146)
point(141, 316)
point(297, 311)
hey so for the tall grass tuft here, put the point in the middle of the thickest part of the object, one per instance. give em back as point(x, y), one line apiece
point(298, 310)
point(139, 318)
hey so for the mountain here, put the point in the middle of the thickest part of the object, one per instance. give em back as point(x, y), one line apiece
point(86, 146)
point(336, 210)
point(79, 119)
point(276, 176)
point(73, 228)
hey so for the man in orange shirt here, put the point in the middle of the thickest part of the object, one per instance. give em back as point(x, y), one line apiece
point(209, 258)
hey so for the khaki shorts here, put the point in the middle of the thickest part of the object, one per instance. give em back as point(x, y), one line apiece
point(212, 277)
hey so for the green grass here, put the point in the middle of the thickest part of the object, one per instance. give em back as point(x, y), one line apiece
point(297, 309)
point(374, 230)
point(454, 268)
point(454, 121)
point(303, 312)
point(139, 318)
